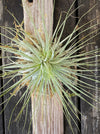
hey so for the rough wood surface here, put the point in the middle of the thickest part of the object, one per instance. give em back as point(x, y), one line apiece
point(90, 118)
point(48, 118)
point(41, 14)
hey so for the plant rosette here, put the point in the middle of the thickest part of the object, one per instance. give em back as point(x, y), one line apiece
point(47, 66)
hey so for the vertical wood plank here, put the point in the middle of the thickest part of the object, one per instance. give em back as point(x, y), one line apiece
point(1, 115)
point(60, 6)
point(48, 116)
point(90, 118)
point(14, 7)
point(36, 12)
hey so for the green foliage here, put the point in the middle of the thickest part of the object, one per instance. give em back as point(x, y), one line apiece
point(47, 65)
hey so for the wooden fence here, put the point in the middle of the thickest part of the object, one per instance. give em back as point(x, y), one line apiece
point(90, 118)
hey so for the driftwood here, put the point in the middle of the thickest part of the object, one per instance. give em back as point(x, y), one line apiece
point(48, 117)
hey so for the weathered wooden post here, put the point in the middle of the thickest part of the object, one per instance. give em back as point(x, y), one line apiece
point(47, 118)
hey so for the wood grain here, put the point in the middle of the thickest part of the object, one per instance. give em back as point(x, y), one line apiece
point(41, 14)
point(90, 118)
point(47, 118)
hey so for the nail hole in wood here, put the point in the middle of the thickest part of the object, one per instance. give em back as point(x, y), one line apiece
point(30, 1)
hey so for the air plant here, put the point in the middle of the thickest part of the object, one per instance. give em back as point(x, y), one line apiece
point(48, 65)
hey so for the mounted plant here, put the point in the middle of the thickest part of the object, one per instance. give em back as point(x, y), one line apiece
point(46, 64)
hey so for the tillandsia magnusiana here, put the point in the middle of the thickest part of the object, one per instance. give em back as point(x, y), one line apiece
point(48, 64)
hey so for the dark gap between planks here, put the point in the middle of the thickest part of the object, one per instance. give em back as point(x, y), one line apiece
point(30, 1)
point(78, 101)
